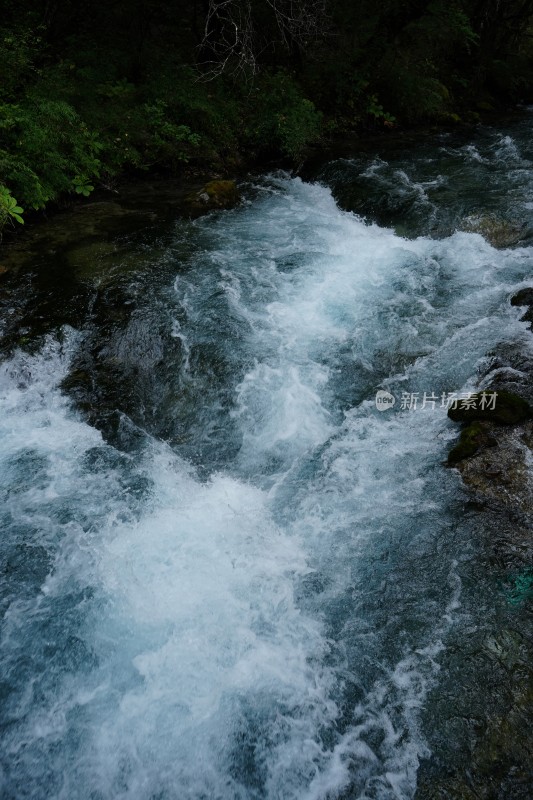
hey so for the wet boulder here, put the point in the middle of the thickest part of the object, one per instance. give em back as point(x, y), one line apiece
point(494, 405)
point(472, 439)
point(524, 298)
point(497, 231)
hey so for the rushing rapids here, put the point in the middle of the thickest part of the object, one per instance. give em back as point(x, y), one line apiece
point(229, 574)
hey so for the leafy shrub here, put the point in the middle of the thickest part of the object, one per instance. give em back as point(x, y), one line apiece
point(169, 141)
point(375, 109)
point(212, 110)
point(418, 93)
point(9, 208)
point(281, 118)
point(44, 145)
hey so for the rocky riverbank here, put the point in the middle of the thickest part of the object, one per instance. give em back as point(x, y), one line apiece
point(495, 451)
point(495, 688)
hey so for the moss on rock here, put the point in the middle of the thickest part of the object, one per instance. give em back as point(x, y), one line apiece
point(472, 438)
point(509, 408)
point(215, 194)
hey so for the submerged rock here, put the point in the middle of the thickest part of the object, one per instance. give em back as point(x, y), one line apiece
point(215, 194)
point(499, 750)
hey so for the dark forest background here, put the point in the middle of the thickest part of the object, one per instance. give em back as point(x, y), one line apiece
point(94, 89)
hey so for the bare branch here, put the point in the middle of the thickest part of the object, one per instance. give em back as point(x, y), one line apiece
point(231, 35)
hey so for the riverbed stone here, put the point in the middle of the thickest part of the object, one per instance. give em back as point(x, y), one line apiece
point(499, 232)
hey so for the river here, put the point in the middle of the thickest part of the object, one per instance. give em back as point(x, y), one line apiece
point(229, 573)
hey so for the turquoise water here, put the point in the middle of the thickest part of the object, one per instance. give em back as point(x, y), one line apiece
point(229, 575)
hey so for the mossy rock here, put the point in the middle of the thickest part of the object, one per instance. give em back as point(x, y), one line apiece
point(509, 408)
point(474, 437)
point(215, 194)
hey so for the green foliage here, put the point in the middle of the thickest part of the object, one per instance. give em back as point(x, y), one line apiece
point(9, 208)
point(418, 97)
point(94, 90)
point(376, 110)
point(44, 145)
point(18, 47)
point(169, 141)
point(281, 118)
point(212, 110)
point(443, 25)
point(121, 90)
point(416, 75)
point(82, 185)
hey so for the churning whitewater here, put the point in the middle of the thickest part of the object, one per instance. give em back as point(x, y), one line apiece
point(246, 592)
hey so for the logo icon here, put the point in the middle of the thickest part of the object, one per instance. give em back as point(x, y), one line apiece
point(384, 400)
